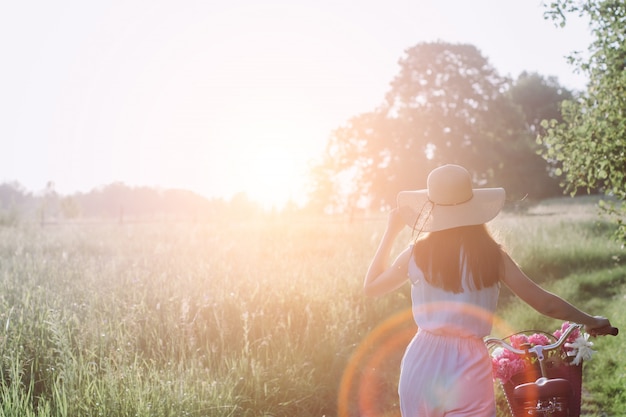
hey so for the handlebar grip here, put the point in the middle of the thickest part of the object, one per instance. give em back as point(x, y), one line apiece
point(606, 330)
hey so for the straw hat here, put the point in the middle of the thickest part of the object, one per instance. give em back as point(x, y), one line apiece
point(449, 201)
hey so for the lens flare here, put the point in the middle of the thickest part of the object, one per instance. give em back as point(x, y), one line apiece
point(364, 387)
point(359, 376)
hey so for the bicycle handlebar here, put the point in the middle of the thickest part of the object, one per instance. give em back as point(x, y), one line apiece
point(605, 331)
point(538, 350)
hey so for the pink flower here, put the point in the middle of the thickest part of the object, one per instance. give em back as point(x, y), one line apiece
point(559, 332)
point(517, 340)
point(506, 364)
point(505, 367)
point(573, 336)
point(538, 339)
point(509, 355)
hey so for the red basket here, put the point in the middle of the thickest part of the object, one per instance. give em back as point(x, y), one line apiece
point(556, 366)
point(572, 373)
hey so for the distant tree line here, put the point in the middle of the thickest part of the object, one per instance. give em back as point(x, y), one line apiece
point(118, 202)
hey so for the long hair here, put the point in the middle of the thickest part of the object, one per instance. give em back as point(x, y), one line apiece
point(439, 255)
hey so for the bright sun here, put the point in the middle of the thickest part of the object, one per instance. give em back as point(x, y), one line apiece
point(273, 177)
point(263, 155)
point(265, 111)
point(272, 144)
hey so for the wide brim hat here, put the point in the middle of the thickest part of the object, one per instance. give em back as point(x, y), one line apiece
point(449, 201)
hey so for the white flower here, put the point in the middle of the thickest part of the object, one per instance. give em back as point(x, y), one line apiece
point(581, 349)
point(497, 352)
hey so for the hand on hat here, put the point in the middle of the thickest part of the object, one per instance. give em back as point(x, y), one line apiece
point(395, 222)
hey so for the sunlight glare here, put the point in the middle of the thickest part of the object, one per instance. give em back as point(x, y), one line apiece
point(270, 148)
point(273, 177)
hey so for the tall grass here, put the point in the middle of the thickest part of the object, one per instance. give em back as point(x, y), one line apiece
point(257, 319)
point(180, 319)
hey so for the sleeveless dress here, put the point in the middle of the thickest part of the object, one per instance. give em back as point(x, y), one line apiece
point(446, 369)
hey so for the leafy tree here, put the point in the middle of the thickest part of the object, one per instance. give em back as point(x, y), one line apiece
point(13, 198)
point(539, 98)
point(13, 194)
point(446, 105)
point(590, 142)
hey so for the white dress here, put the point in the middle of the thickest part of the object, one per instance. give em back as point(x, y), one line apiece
point(446, 369)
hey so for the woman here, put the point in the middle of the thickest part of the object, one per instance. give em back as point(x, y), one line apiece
point(455, 268)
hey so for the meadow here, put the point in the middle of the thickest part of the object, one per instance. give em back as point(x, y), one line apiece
point(261, 318)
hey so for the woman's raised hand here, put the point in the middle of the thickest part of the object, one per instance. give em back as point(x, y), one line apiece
point(395, 223)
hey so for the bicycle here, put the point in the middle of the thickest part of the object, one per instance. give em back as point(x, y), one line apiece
point(551, 389)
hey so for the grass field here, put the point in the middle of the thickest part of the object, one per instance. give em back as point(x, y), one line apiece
point(257, 319)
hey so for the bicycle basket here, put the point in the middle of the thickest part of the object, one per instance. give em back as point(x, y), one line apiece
point(557, 366)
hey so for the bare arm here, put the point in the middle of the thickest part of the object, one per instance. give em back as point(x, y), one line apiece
point(545, 302)
point(381, 277)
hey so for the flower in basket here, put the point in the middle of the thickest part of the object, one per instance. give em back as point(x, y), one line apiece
point(580, 349)
point(577, 345)
point(506, 363)
point(575, 334)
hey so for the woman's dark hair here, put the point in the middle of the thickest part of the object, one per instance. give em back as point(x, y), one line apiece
point(438, 255)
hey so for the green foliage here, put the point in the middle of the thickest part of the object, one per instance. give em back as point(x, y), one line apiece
point(590, 142)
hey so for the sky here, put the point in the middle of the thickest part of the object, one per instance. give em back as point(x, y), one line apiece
point(226, 96)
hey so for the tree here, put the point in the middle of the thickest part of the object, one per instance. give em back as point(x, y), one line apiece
point(446, 105)
point(49, 203)
point(590, 142)
point(13, 198)
point(539, 98)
